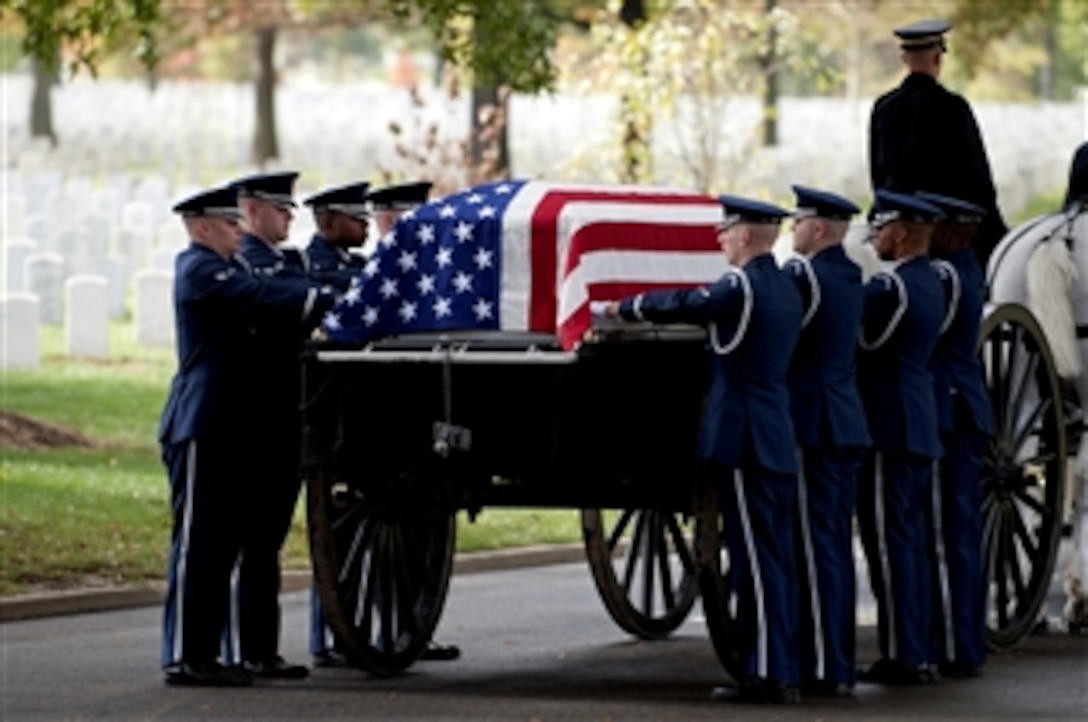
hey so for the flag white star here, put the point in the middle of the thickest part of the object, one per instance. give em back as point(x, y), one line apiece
point(410, 213)
point(407, 311)
point(332, 321)
point(371, 268)
point(389, 240)
point(475, 199)
point(463, 231)
point(407, 261)
point(483, 258)
point(442, 307)
point(444, 257)
point(447, 211)
point(425, 284)
point(389, 288)
point(425, 234)
point(502, 189)
point(370, 316)
point(462, 282)
point(487, 212)
point(482, 309)
point(353, 295)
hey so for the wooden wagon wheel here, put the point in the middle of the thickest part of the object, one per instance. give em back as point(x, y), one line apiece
point(644, 568)
point(712, 569)
point(382, 569)
point(1023, 472)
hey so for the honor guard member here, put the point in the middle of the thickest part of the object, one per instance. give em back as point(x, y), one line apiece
point(966, 423)
point(902, 316)
point(210, 487)
point(390, 202)
point(342, 216)
point(752, 315)
point(272, 430)
point(925, 137)
point(829, 421)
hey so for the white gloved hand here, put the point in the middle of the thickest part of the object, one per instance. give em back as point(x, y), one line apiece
point(599, 309)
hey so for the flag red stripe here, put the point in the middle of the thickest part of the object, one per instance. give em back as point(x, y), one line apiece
point(573, 329)
point(545, 221)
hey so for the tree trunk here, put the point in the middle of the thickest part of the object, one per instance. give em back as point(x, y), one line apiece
point(1048, 73)
point(266, 141)
point(489, 146)
point(41, 102)
point(636, 141)
point(769, 62)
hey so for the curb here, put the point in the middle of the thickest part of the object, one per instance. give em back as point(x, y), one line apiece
point(104, 599)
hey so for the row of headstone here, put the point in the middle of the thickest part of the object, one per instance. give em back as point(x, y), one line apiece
point(86, 316)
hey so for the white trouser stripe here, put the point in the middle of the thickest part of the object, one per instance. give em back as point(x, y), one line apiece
point(183, 553)
point(234, 639)
point(757, 577)
point(942, 565)
point(810, 565)
point(885, 564)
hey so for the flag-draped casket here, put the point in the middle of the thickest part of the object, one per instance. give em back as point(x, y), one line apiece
point(527, 256)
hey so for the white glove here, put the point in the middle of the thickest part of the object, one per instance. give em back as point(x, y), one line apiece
point(598, 309)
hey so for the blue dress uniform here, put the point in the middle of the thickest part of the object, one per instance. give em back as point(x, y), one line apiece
point(966, 422)
point(215, 300)
point(832, 435)
point(331, 263)
point(272, 437)
point(903, 312)
point(752, 315)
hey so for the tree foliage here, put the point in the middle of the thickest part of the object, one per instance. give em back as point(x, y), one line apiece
point(81, 32)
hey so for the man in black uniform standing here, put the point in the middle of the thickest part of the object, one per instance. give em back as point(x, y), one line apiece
point(924, 137)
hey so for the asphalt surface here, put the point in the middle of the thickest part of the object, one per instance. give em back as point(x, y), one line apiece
point(537, 645)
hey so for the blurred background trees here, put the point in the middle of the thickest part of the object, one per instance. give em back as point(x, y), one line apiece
point(658, 56)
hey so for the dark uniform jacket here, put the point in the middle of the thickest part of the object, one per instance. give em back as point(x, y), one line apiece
point(902, 318)
point(827, 410)
point(956, 368)
point(746, 416)
point(923, 137)
point(215, 301)
point(275, 343)
point(333, 265)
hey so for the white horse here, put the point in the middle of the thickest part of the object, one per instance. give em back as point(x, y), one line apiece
point(1043, 264)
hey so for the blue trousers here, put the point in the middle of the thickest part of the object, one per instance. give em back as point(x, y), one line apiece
point(757, 505)
point(893, 496)
point(252, 631)
point(208, 497)
point(827, 489)
point(957, 533)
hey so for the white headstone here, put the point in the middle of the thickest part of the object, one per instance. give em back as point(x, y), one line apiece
point(43, 275)
point(115, 270)
point(86, 317)
point(15, 254)
point(163, 258)
point(154, 311)
point(19, 348)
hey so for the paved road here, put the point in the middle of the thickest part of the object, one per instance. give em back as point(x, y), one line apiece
point(538, 646)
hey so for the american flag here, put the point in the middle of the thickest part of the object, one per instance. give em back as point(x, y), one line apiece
point(528, 256)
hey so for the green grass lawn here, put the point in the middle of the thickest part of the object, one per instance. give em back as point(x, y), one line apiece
point(74, 516)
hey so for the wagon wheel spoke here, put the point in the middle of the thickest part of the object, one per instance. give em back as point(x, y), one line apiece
point(619, 529)
point(680, 545)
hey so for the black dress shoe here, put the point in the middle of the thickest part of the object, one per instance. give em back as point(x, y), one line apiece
point(824, 688)
point(960, 670)
point(440, 652)
point(206, 674)
point(893, 672)
point(331, 659)
point(757, 692)
point(277, 668)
